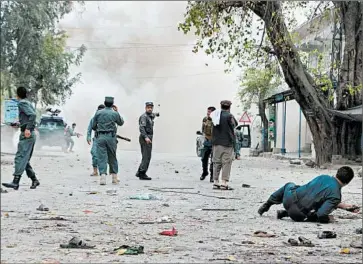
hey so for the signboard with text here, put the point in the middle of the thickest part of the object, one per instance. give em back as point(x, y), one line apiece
point(11, 111)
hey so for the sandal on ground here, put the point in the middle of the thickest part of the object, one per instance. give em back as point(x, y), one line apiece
point(226, 188)
point(216, 186)
point(76, 243)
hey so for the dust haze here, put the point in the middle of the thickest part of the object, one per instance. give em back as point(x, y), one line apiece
point(136, 54)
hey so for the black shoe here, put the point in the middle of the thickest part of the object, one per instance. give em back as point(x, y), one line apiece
point(14, 184)
point(35, 183)
point(281, 214)
point(144, 177)
point(204, 175)
point(264, 208)
point(137, 175)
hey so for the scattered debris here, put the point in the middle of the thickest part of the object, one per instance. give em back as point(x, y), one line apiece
point(246, 185)
point(111, 192)
point(230, 258)
point(263, 234)
point(350, 216)
point(305, 242)
point(357, 243)
point(11, 246)
point(217, 209)
point(295, 162)
point(162, 220)
point(165, 219)
point(197, 193)
point(3, 191)
point(177, 188)
point(172, 232)
point(56, 218)
point(358, 231)
point(293, 242)
point(128, 250)
point(76, 243)
point(327, 235)
point(247, 242)
point(165, 205)
point(42, 208)
point(92, 192)
point(143, 197)
point(345, 251)
point(176, 171)
point(310, 164)
point(87, 211)
point(6, 215)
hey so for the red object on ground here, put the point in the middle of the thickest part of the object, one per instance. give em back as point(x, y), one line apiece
point(172, 232)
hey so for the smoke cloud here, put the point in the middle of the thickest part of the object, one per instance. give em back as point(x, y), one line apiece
point(136, 54)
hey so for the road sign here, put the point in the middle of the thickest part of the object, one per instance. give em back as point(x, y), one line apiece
point(245, 118)
point(11, 111)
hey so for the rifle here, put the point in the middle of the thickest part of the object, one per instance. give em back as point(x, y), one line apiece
point(123, 138)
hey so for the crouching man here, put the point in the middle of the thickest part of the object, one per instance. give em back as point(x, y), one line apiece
point(313, 201)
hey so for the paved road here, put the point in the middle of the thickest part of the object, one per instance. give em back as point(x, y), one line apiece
point(204, 236)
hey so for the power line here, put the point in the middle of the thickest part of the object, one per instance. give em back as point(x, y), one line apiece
point(135, 43)
point(135, 47)
point(115, 28)
point(177, 76)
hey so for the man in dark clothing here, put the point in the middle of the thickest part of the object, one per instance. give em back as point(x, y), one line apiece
point(313, 201)
point(223, 145)
point(207, 129)
point(26, 143)
point(146, 127)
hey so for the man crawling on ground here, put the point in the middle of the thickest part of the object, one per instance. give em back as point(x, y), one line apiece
point(314, 201)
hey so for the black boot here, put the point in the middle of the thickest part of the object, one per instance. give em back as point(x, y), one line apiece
point(264, 208)
point(211, 175)
point(14, 184)
point(204, 175)
point(143, 176)
point(281, 214)
point(35, 183)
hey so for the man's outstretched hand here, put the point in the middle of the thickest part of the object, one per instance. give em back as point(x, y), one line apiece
point(349, 207)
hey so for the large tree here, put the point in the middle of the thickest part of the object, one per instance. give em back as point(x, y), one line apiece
point(33, 50)
point(225, 28)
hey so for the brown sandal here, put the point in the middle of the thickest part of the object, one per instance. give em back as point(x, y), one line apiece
point(226, 188)
point(216, 187)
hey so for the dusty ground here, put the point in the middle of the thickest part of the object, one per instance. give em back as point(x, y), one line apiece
point(204, 236)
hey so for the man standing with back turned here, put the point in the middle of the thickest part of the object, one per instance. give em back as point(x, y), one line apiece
point(223, 144)
point(146, 127)
point(26, 143)
point(94, 143)
point(105, 124)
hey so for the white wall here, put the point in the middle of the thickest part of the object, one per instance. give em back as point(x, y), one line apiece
point(292, 127)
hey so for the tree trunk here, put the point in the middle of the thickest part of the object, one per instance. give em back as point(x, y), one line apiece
point(307, 96)
point(262, 113)
point(347, 141)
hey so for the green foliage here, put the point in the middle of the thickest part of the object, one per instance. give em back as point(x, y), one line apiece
point(33, 51)
point(225, 30)
point(256, 85)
